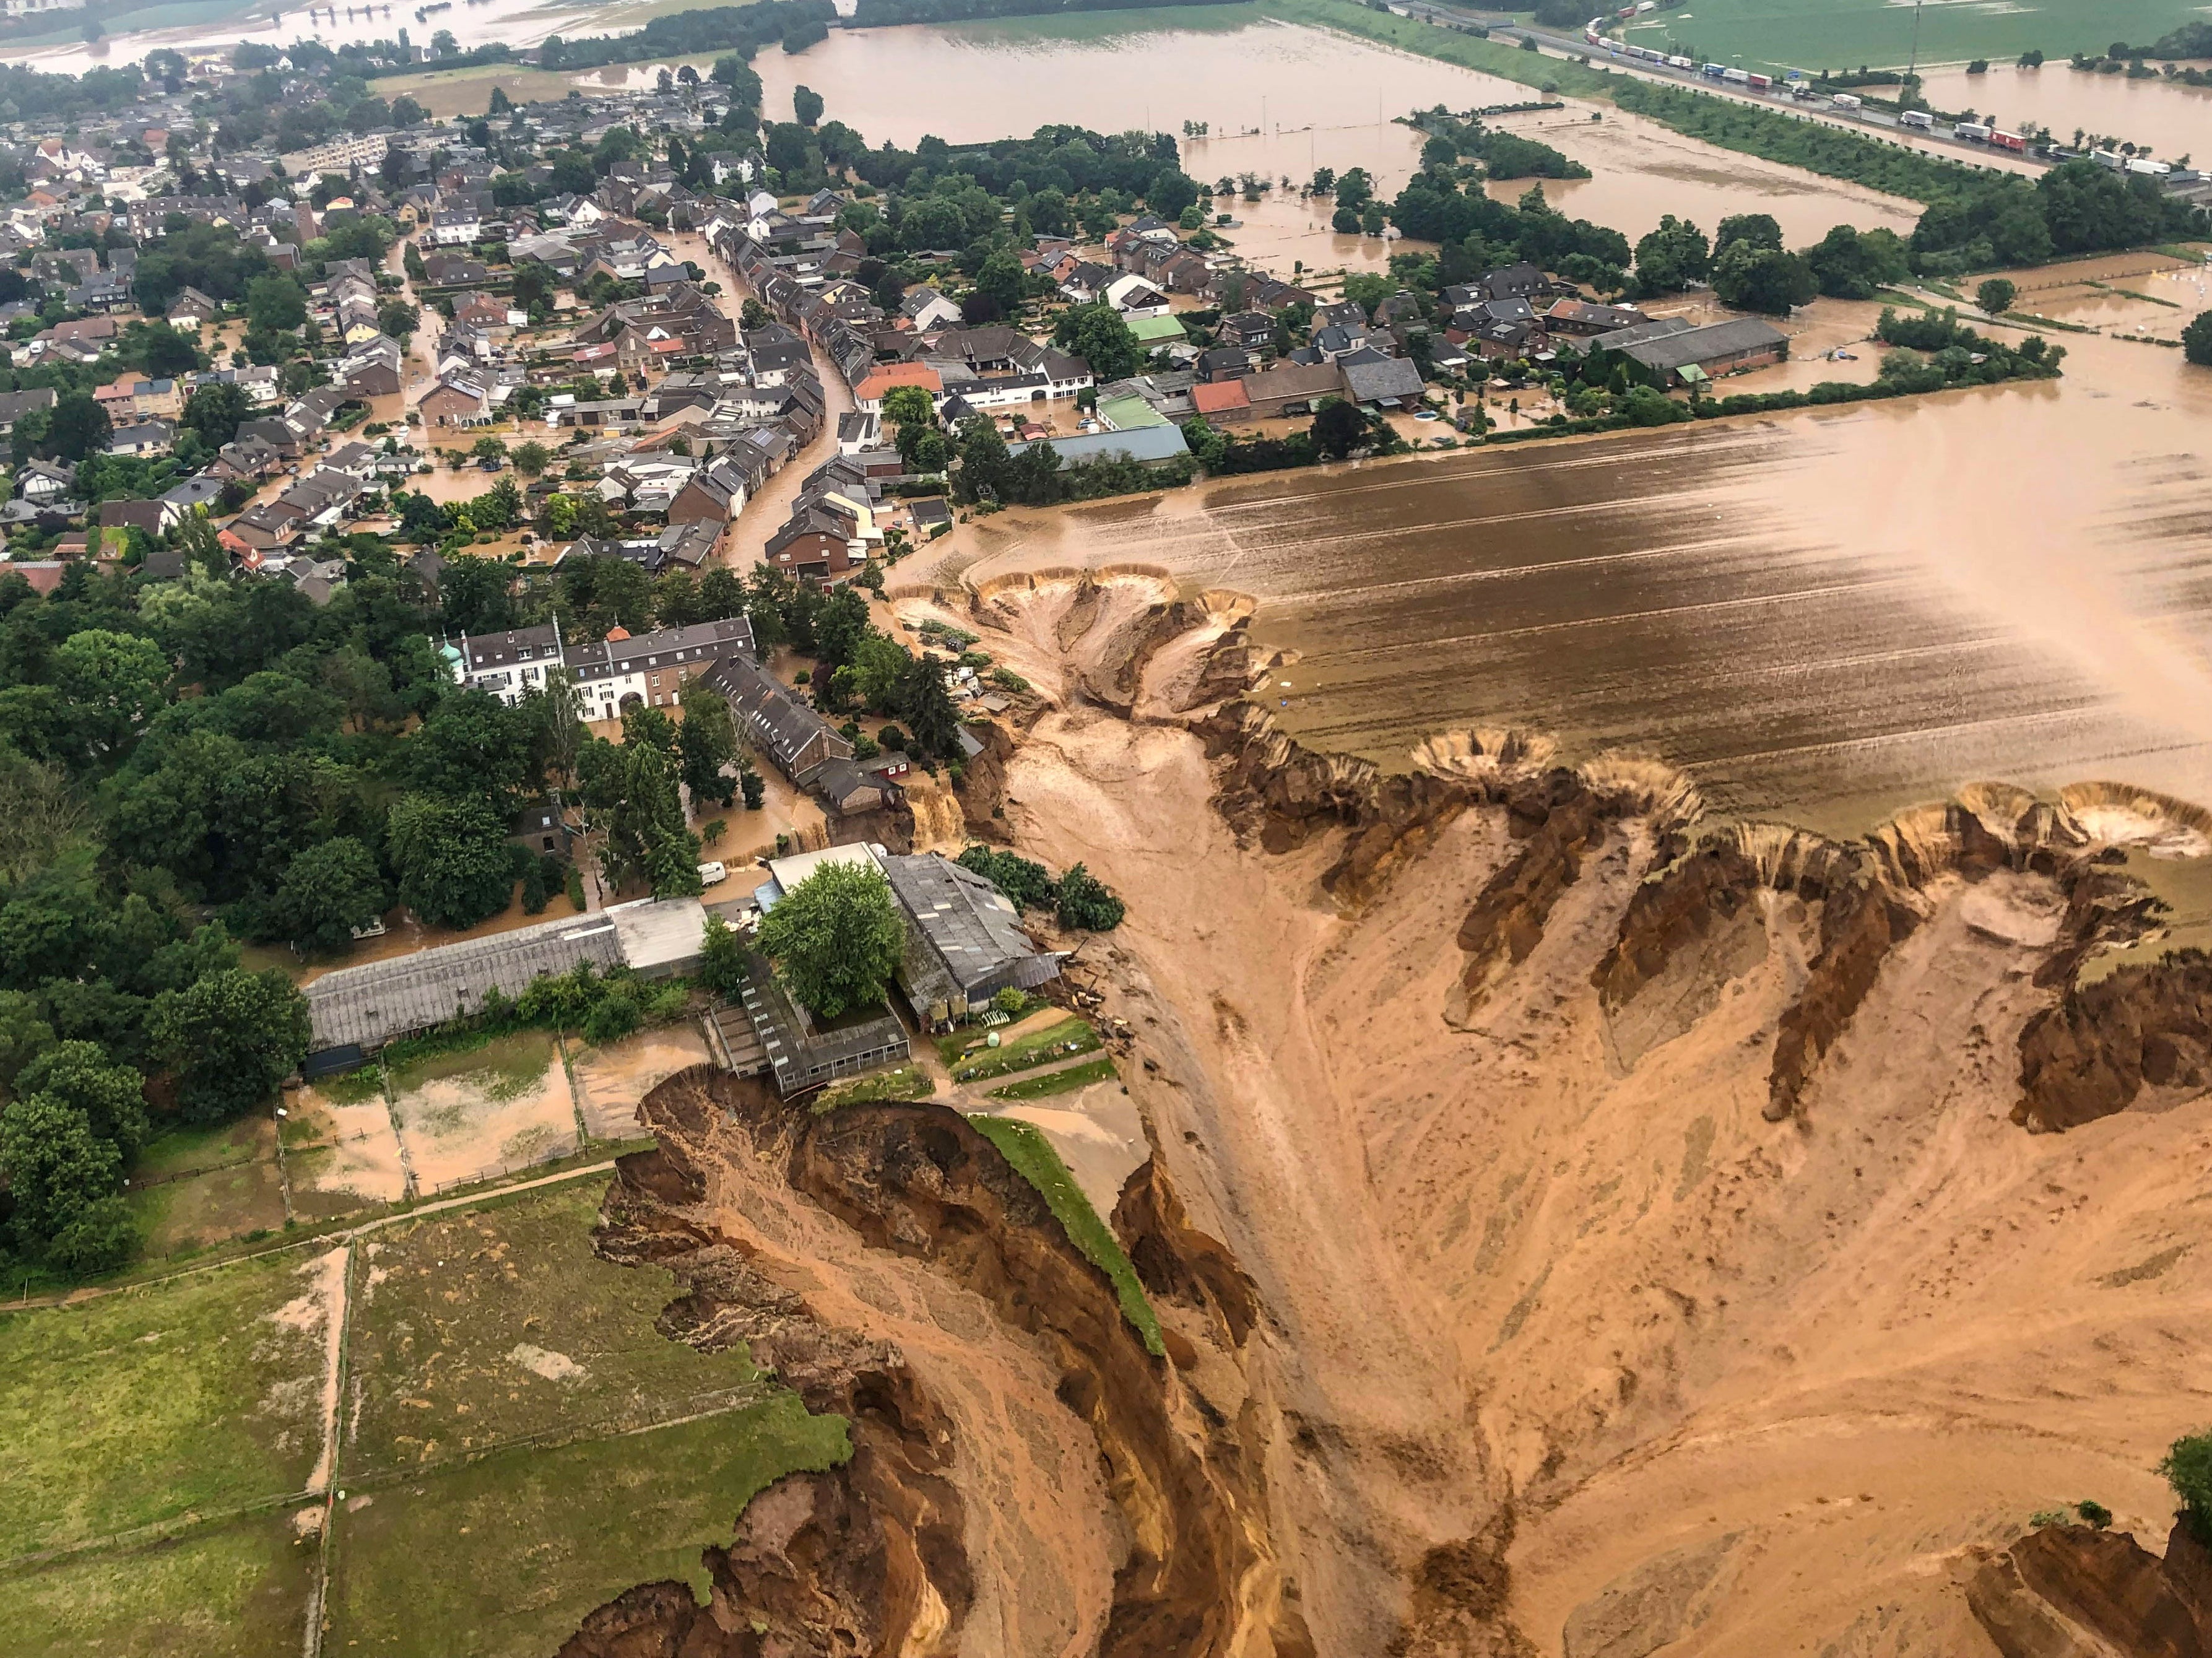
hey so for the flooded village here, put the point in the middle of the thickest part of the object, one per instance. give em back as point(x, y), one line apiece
point(1242, 829)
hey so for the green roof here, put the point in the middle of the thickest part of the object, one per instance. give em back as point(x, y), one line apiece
point(1149, 329)
point(1126, 414)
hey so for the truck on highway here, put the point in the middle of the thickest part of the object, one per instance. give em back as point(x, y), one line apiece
point(1974, 132)
point(2147, 167)
point(1850, 104)
point(1679, 63)
point(1918, 119)
point(2011, 141)
point(1711, 71)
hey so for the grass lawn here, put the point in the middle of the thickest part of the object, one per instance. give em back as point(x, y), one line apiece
point(1508, 63)
point(1819, 34)
point(1032, 1154)
point(901, 1082)
point(503, 1067)
point(476, 1326)
point(1057, 1082)
point(182, 1216)
point(505, 1555)
point(150, 1404)
point(238, 1588)
point(1069, 1035)
point(196, 1150)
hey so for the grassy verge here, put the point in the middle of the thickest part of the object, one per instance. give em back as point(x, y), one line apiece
point(141, 1408)
point(901, 1082)
point(240, 1588)
point(1069, 1035)
point(1507, 62)
point(1057, 1082)
point(1032, 1155)
point(502, 1557)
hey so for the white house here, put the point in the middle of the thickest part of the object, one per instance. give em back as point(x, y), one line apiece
point(608, 674)
point(458, 228)
point(925, 308)
point(1133, 296)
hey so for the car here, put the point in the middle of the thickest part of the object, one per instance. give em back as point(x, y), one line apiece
point(487, 465)
point(1424, 414)
point(713, 874)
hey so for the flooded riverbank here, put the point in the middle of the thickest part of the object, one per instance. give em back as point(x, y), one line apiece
point(2171, 119)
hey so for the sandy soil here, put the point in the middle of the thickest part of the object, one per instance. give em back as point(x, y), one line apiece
point(320, 1310)
point(1752, 1384)
point(476, 1120)
point(342, 1150)
point(610, 1081)
point(1039, 1533)
point(1097, 1131)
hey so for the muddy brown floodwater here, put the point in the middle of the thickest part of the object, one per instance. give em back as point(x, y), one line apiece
point(1820, 616)
point(2174, 120)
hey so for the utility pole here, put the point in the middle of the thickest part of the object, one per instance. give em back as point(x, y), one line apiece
point(1913, 67)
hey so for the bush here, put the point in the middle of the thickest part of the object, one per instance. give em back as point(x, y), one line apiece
point(1085, 902)
point(2188, 1468)
point(102, 1237)
point(2196, 341)
point(576, 888)
point(616, 1015)
point(1030, 885)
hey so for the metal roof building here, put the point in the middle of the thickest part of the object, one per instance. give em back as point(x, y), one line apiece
point(365, 1007)
point(803, 1054)
point(964, 940)
point(1153, 445)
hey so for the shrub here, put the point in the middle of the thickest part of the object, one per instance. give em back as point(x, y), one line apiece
point(1085, 902)
point(2196, 341)
point(2188, 1468)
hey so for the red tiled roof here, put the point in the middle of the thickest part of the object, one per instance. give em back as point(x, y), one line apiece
point(1219, 395)
point(880, 380)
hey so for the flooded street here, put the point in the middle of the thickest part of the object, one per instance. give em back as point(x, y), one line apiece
point(2172, 119)
point(1824, 615)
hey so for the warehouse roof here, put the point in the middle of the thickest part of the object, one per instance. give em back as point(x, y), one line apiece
point(368, 1005)
point(1734, 337)
point(966, 934)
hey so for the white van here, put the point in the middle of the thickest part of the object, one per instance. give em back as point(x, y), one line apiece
point(713, 874)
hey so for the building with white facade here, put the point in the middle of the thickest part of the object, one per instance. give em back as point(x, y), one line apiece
point(621, 671)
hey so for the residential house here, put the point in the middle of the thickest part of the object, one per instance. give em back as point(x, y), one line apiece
point(772, 718)
point(1251, 331)
point(192, 309)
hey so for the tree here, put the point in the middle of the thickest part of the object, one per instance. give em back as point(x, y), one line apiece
point(113, 683)
point(835, 938)
point(2196, 340)
point(1100, 335)
point(1766, 279)
point(530, 458)
point(57, 1168)
point(806, 105)
point(231, 1038)
point(399, 319)
point(1996, 296)
point(721, 957)
point(454, 865)
point(1085, 902)
point(80, 1074)
point(1000, 281)
point(2187, 1468)
point(76, 427)
point(1848, 265)
point(910, 405)
point(215, 413)
point(1338, 428)
point(1671, 258)
point(1759, 229)
point(275, 302)
point(630, 790)
point(926, 707)
point(328, 891)
point(706, 744)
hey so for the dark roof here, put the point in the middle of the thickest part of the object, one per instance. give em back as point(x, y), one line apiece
point(1734, 337)
point(964, 938)
point(772, 714)
point(370, 1004)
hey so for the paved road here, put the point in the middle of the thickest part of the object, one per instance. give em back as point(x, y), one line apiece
point(1941, 138)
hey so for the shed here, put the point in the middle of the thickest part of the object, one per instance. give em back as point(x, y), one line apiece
point(964, 938)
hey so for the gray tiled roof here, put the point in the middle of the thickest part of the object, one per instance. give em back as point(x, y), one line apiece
point(370, 1004)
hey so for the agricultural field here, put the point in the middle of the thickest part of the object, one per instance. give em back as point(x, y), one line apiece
point(1840, 35)
point(466, 1114)
point(515, 1442)
point(196, 1187)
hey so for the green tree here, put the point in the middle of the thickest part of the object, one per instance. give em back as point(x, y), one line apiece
point(275, 302)
point(532, 458)
point(806, 105)
point(454, 865)
point(24, 1033)
point(926, 707)
point(1766, 279)
point(1759, 229)
point(721, 957)
point(1338, 428)
point(113, 683)
point(2187, 1468)
point(328, 891)
point(2196, 340)
point(1001, 283)
point(399, 320)
point(1100, 335)
point(1085, 902)
point(81, 1075)
point(77, 426)
point(910, 405)
point(1996, 296)
point(215, 412)
point(630, 791)
point(57, 1166)
point(835, 938)
point(1671, 258)
point(1848, 265)
point(231, 1038)
point(706, 743)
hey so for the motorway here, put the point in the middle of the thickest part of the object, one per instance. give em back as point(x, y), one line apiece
point(1870, 121)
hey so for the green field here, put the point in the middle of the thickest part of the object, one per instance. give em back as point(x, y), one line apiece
point(519, 1444)
point(504, 1556)
point(1054, 1042)
point(901, 1082)
point(1032, 1155)
point(189, 1397)
point(1838, 34)
point(238, 1587)
point(477, 1326)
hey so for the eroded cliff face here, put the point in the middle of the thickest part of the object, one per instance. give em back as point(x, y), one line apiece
point(1576, 1230)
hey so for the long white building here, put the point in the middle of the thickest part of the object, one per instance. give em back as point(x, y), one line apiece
point(621, 671)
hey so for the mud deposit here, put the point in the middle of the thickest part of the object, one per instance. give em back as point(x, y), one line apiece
point(1580, 1225)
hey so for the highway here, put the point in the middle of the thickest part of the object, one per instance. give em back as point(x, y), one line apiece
point(1939, 137)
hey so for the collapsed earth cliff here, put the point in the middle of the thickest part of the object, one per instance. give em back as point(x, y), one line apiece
point(1577, 1227)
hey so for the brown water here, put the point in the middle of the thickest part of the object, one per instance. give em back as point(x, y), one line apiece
point(1825, 615)
point(2174, 120)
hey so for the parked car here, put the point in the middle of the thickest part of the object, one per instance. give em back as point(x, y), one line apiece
point(713, 874)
